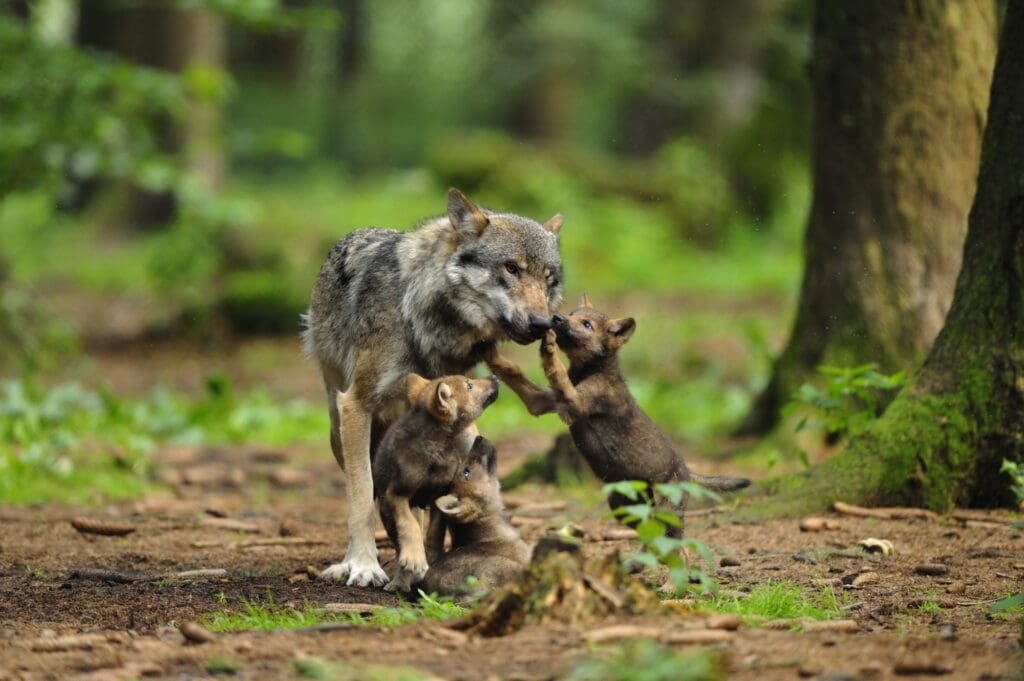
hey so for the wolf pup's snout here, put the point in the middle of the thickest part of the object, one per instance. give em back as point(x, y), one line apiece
point(493, 394)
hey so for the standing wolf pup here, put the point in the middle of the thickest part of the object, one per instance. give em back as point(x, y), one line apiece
point(417, 460)
point(433, 301)
point(615, 436)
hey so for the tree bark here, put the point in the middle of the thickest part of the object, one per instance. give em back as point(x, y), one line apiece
point(943, 438)
point(900, 90)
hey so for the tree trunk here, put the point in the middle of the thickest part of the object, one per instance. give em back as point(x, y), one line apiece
point(899, 90)
point(943, 438)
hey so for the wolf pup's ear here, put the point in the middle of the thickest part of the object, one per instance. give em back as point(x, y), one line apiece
point(443, 403)
point(414, 385)
point(620, 330)
point(554, 224)
point(465, 217)
point(448, 504)
point(585, 301)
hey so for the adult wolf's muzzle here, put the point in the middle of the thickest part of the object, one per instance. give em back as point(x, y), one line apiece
point(526, 331)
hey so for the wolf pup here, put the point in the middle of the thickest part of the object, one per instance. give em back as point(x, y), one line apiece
point(484, 543)
point(418, 458)
point(615, 436)
point(430, 301)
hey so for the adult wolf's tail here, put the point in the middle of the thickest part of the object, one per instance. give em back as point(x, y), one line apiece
point(720, 483)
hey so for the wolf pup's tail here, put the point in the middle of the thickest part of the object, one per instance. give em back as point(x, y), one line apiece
point(720, 483)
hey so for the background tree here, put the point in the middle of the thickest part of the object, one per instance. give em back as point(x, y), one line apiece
point(899, 96)
point(942, 439)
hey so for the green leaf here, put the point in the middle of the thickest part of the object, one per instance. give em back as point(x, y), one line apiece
point(1009, 603)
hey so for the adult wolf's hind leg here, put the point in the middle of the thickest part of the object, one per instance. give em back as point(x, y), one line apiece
point(360, 566)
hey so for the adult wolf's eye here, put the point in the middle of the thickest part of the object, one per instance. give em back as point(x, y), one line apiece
point(466, 473)
point(512, 268)
point(587, 325)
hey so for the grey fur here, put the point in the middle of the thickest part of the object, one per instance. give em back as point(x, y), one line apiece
point(433, 301)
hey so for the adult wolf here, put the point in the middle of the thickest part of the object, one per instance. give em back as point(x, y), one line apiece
point(434, 301)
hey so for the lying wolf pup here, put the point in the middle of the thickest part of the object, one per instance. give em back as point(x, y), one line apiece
point(615, 436)
point(419, 457)
point(484, 543)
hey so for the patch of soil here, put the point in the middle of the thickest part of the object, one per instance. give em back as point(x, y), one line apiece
point(903, 616)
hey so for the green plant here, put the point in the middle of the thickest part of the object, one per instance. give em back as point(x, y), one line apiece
point(645, 660)
point(222, 664)
point(930, 607)
point(849, 401)
point(782, 600)
point(654, 510)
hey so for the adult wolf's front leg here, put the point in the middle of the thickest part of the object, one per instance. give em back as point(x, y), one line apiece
point(538, 399)
point(360, 566)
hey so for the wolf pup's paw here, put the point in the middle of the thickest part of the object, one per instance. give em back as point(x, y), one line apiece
point(355, 573)
point(402, 581)
point(549, 346)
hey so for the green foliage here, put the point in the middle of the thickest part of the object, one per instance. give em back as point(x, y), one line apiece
point(850, 400)
point(1016, 472)
point(35, 339)
point(652, 513)
point(311, 667)
point(76, 445)
point(268, 615)
point(260, 301)
point(645, 660)
point(782, 600)
point(68, 116)
point(223, 664)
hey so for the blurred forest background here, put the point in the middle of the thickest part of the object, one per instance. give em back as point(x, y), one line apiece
point(172, 174)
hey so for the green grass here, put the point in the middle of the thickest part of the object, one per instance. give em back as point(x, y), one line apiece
point(782, 600)
point(268, 615)
point(312, 667)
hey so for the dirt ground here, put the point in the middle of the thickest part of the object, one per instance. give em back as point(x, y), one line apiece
point(127, 629)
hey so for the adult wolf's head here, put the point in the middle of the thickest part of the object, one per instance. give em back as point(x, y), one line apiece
point(506, 269)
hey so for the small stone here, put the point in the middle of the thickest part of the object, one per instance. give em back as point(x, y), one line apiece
point(297, 578)
point(880, 546)
point(729, 561)
point(812, 524)
point(956, 588)
point(728, 622)
point(872, 670)
point(859, 580)
point(932, 569)
point(196, 633)
point(289, 528)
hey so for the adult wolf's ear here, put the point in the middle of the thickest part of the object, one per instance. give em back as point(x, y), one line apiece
point(465, 217)
point(554, 224)
point(620, 330)
point(414, 385)
point(448, 504)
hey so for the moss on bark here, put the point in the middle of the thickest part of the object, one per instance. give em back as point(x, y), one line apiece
point(942, 439)
point(900, 89)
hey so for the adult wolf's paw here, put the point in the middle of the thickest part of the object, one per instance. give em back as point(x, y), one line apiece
point(415, 565)
point(355, 573)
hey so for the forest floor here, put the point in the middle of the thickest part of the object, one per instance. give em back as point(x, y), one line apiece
point(56, 623)
point(272, 517)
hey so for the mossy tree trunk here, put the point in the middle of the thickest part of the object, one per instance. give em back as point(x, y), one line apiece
point(900, 89)
point(943, 438)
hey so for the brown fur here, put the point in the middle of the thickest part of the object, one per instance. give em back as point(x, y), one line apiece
point(484, 543)
point(615, 436)
point(418, 458)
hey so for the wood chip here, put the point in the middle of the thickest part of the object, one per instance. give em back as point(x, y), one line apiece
point(619, 534)
point(201, 573)
point(978, 516)
point(921, 667)
point(890, 513)
point(360, 608)
point(101, 575)
point(697, 636)
point(196, 633)
point(831, 625)
point(728, 622)
point(279, 541)
point(932, 569)
point(621, 632)
point(541, 510)
point(518, 521)
point(104, 527)
point(74, 642)
point(230, 524)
